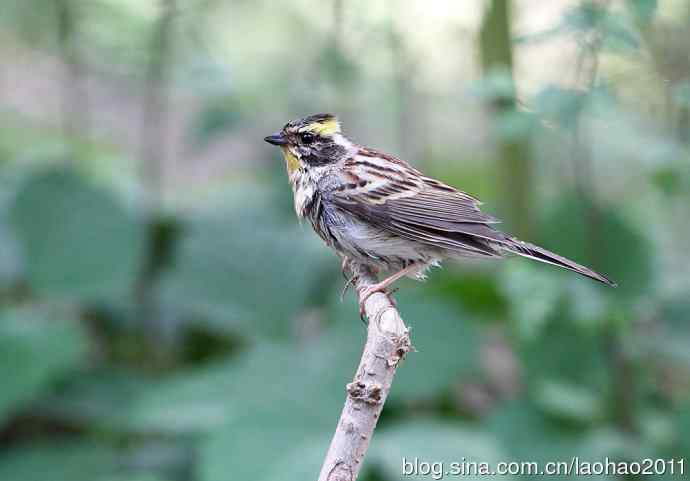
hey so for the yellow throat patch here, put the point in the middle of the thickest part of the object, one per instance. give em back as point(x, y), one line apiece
point(291, 162)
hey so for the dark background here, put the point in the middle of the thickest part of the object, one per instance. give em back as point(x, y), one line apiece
point(165, 318)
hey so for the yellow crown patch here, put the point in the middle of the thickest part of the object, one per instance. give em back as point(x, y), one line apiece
point(325, 128)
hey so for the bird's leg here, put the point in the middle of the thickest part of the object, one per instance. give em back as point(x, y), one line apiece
point(349, 280)
point(383, 287)
point(344, 266)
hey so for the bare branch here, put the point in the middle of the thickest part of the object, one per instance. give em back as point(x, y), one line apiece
point(387, 343)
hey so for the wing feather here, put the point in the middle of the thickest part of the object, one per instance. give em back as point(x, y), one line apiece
point(387, 192)
point(400, 200)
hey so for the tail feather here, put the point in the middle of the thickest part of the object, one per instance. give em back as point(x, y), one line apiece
point(540, 254)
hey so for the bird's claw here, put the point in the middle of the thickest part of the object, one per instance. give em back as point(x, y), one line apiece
point(368, 291)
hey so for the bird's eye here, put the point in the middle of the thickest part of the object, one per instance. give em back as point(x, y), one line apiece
point(307, 137)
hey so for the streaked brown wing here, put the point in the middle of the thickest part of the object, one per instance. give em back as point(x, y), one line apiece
point(407, 204)
point(387, 192)
point(440, 208)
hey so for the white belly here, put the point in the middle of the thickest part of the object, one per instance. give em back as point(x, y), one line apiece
point(357, 237)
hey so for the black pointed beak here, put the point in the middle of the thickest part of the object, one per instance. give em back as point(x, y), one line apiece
point(276, 139)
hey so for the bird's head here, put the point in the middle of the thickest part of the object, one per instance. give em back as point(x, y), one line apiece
point(311, 142)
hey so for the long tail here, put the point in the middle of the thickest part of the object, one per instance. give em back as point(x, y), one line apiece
point(525, 249)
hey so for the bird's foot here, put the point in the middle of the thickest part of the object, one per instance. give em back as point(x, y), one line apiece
point(368, 291)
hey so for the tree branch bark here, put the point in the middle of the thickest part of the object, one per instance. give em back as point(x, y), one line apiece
point(388, 341)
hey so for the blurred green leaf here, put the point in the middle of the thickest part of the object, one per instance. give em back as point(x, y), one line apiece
point(33, 20)
point(620, 34)
point(61, 460)
point(296, 451)
point(78, 241)
point(35, 351)
point(217, 117)
point(519, 281)
point(540, 36)
point(669, 341)
point(284, 400)
point(672, 180)
point(131, 477)
point(602, 102)
point(246, 267)
point(525, 433)
point(560, 105)
point(617, 30)
point(657, 428)
point(564, 106)
point(432, 441)
point(477, 292)
point(446, 343)
point(681, 94)
point(10, 258)
point(588, 305)
point(213, 397)
point(496, 85)
point(514, 124)
point(622, 253)
point(67, 459)
point(561, 295)
point(589, 16)
point(117, 31)
point(193, 401)
point(337, 66)
point(682, 424)
point(568, 352)
point(616, 444)
point(585, 16)
point(101, 399)
point(643, 10)
point(568, 401)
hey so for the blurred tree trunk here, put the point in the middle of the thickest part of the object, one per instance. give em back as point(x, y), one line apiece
point(496, 56)
point(667, 43)
point(684, 113)
point(340, 67)
point(155, 109)
point(407, 135)
point(74, 99)
point(161, 231)
point(621, 367)
point(338, 25)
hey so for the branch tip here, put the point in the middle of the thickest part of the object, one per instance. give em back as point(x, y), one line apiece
point(388, 342)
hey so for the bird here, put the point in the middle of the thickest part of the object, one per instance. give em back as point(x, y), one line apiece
point(378, 210)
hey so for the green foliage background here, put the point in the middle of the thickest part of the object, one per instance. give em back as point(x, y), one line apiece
point(163, 317)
